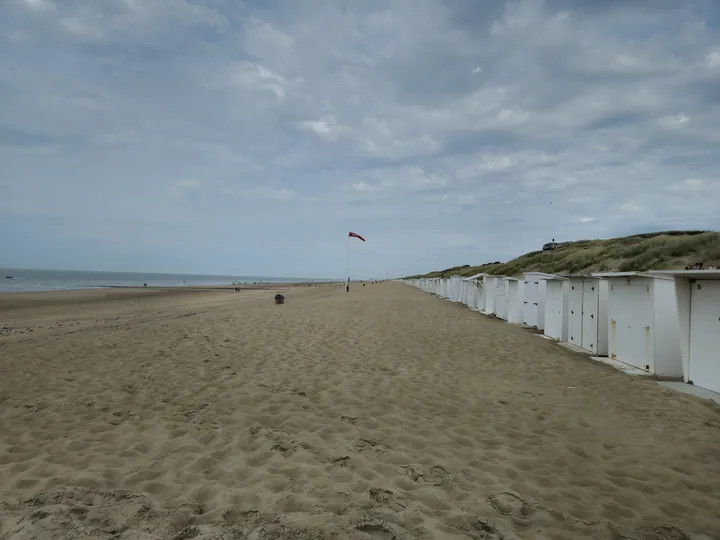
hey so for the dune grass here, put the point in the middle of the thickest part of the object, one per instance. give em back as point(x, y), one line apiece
point(651, 251)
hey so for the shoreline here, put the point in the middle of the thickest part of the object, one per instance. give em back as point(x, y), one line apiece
point(191, 286)
point(21, 300)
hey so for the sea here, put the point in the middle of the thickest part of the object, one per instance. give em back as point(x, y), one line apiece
point(25, 280)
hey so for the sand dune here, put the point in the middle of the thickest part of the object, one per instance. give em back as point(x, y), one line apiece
point(385, 413)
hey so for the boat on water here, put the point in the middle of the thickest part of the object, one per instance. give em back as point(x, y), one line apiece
point(9, 277)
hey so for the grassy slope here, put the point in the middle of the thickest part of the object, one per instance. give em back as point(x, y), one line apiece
point(652, 251)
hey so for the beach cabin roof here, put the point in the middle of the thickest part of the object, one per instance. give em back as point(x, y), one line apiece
point(630, 274)
point(507, 278)
point(690, 274)
point(539, 275)
point(481, 274)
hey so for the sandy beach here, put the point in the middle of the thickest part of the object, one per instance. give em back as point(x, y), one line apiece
point(385, 413)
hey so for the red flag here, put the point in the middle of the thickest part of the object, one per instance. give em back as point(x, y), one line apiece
point(356, 235)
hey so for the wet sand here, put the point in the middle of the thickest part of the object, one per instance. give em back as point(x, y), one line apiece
point(383, 413)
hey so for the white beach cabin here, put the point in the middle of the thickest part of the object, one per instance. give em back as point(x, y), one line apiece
point(534, 299)
point(587, 314)
point(697, 293)
point(491, 285)
point(513, 292)
point(479, 295)
point(643, 322)
point(557, 290)
point(467, 292)
point(501, 299)
point(472, 290)
point(455, 288)
point(469, 289)
point(448, 288)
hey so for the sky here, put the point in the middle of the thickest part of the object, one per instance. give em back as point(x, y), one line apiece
point(249, 137)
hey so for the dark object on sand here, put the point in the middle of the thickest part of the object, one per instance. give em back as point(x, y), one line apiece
point(363, 284)
point(279, 299)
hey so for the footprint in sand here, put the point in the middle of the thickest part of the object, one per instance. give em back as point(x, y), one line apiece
point(364, 445)
point(349, 419)
point(269, 433)
point(192, 411)
point(512, 505)
point(436, 476)
point(342, 461)
point(387, 498)
point(664, 532)
point(377, 528)
point(286, 449)
point(480, 529)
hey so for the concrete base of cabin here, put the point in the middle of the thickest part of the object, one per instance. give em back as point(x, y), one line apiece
point(625, 368)
point(692, 390)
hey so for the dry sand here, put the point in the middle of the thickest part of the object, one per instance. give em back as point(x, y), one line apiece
point(384, 413)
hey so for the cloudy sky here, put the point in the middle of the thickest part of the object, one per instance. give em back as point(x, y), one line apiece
point(249, 137)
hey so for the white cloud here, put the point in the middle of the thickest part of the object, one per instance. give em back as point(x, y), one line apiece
point(631, 207)
point(273, 194)
point(467, 200)
point(363, 186)
point(40, 5)
point(713, 59)
point(257, 77)
point(693, 184)
point(327, 128)
point(674, 121)
point(184, 186)
point(587, 219)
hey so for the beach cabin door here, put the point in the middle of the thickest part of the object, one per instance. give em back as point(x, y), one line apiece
point(480, 296)
point(632, 321)
point(704, 366)
point(575, 307)
point(555, 321)
point(500, 300)
point(531, 301)
point(590, 302)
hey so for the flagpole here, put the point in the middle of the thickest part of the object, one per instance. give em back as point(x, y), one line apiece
point(347, 265)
